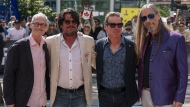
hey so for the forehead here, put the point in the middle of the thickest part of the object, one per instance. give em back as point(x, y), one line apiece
point(112, 19)
point(68, 16)
point(147, 11)
point(40, 20)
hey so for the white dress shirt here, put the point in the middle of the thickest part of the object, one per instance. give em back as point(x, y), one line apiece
point(70, 75)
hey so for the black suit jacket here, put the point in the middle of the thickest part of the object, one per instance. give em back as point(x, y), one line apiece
point(19, 74)
point(130, 83)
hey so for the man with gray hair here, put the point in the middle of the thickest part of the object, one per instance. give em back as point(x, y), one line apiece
point(26, 78)
point(162, 61)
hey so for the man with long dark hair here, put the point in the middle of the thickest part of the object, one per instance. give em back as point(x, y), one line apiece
point(71, 59)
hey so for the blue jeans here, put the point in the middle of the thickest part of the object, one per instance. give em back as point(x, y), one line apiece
point(65, 99)
point(112, 100)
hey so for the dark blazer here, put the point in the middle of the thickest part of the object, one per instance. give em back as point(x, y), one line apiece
point(130, 83)
point(19, 74)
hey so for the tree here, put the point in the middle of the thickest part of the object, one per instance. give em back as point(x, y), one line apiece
point(31, 7)
point(164, 9)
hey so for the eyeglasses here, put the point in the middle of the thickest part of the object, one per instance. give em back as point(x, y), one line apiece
point(150, 16)
point(42, 25)
point(180, 26)
point(87, 26)
point(112, 25)
point(69, 22)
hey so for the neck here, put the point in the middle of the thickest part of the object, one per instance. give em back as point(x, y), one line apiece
point(37, 38)
point(115, 41)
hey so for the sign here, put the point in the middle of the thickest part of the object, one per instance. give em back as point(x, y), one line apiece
point(128, 13)
point(86, 13)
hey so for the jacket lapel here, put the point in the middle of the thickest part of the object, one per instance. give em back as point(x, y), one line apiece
point(82, 49)
point(28, 52)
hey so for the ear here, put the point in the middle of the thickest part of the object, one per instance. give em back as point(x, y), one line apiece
point(105, 27)
point(158, 16)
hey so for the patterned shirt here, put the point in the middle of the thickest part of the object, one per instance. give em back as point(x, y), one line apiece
point(114, 66)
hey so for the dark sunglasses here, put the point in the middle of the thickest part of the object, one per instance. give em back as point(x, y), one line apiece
point(69, 22)
point(112, 25)
point(150, 16)
point(180, 26)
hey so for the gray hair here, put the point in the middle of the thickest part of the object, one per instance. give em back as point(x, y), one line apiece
point(38, 16)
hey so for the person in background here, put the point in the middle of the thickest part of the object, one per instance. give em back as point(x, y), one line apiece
point(188, 26)
point(26, 81)
point(134, 22)
point(184, 32)
point(102, 34)
point(174, 26)
point(1, 57)
point(168, 23)
point(28, 29)
point(17, 32)
point(128, 31)
point(98, 28)
point(23, 23)
point(10, 24)
point(52, 30)
point(162, 61)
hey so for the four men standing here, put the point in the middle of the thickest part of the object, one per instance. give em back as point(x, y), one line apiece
point(26, 78)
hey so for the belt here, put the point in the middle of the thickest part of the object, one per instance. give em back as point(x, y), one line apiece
point(145, 88)
point(114, 91)
point(70, 90)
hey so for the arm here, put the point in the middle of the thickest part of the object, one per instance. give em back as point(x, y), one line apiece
point(9, 78)
point(181, 69)
point(93, 24)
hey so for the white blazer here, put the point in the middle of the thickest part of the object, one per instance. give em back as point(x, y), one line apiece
point(88, 60)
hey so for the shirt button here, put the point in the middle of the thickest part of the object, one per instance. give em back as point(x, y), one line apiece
point(70, 69)
point(70, 79)
point(70, 60)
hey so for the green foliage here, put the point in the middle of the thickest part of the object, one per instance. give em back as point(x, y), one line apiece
point(164, 9)
point(188, 6)
point(32, 7)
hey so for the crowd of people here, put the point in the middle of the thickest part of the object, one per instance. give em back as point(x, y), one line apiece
point(54, 60)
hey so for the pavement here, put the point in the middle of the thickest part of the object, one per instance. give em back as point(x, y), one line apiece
point(95, 102)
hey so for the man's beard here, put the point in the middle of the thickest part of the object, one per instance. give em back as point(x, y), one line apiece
point(150, 29)
point(70, 33)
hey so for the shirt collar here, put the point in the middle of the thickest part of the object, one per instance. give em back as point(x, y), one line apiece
point(62, 39)
point(122, 41)
point(33, 42)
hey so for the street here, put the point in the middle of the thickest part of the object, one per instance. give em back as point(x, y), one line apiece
point(95, 94)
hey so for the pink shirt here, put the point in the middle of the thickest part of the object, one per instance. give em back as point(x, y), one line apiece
point(70, 65)
point(38, 95)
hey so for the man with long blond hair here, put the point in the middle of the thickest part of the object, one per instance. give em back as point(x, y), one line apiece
point(162, 61)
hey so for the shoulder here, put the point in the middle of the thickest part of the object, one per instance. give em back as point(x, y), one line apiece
point(20, 43)
point(99, 41)
point(128, 41)
point(53, 36)
point(86, 37)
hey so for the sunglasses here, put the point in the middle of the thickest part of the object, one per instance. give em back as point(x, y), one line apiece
point(87, 26)
point(150, 16)
point(112, 25)
point(69, 22)
point(180, 26)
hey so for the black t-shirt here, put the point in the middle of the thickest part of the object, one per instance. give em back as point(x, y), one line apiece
point(146, 64)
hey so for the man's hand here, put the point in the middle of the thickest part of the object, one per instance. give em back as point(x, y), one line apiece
point(11, 105)
point(177, 104)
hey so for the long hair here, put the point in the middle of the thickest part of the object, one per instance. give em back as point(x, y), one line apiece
point(62, 14)
point(141, 31)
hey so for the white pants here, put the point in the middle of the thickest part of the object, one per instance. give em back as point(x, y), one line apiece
point(147, 100)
